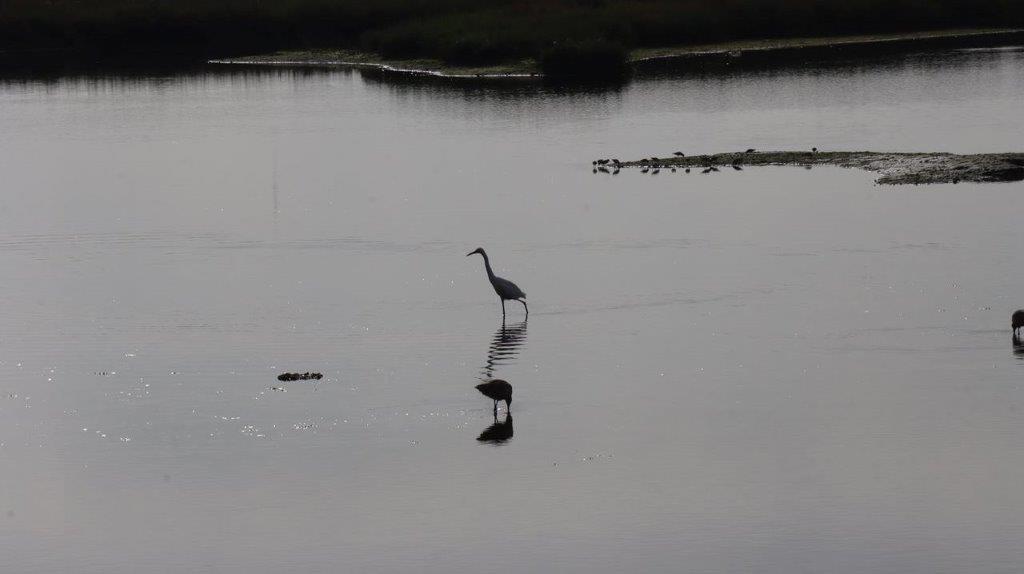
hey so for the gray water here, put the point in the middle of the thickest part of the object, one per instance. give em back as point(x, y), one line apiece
point(776, 370)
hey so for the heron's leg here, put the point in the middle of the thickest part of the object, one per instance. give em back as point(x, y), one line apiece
point(495, 409)
point(502, 309)
point(525, 307)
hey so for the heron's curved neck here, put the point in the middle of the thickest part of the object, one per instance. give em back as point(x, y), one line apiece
point(487, 265)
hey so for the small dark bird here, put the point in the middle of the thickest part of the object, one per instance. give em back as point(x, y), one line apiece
point(687, 170)
point(1017, 322)
point(616, 172)
point(498, 432)
point(616, 161)
point(814, 150)
point(749, 150)
point(497, 390)
point(645, 170)
point(656, 171)
point(706, 170)
point(737, 168)
point(602, 162)
point(506, 290)
point(673, 170)
point(593, 162)
point(679, 154)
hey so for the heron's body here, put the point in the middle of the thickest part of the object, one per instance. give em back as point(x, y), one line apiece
point(1017, 322)
point(506, 290)
point(497, 390)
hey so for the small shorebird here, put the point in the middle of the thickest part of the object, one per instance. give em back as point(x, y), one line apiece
point(1017, 322)
point(497, 390)
point(679, 154)
point(749, 150)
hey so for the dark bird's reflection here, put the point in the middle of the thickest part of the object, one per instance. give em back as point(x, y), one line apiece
point(1018, 348)
point(506, 344)
point(498, 432)
point(505, 347)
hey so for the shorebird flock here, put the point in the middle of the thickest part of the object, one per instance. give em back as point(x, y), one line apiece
point(704, 163)
point(654, 165)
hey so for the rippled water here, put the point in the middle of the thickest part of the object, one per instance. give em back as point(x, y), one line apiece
point(773, 370)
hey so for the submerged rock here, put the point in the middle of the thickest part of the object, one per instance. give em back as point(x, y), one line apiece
point(894, 168)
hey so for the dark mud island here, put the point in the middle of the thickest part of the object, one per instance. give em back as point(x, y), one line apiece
point(307, 376)
point(894, 168)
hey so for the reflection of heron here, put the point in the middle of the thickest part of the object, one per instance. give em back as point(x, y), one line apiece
point(504, 347)
point(506, 290)
point(498, 432)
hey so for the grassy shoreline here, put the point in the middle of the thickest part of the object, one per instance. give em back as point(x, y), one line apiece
point(590, 38)
point(530, 68)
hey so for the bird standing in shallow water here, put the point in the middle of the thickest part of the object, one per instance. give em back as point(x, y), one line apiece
point(505, 289)
point(1017, 322)
point(497, 390)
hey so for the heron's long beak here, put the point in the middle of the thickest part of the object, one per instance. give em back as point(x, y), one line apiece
point(472, 253)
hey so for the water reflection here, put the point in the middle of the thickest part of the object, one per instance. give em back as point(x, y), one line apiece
point(506, 344)
point(1018, 348)
point(505, 347)
point(498, 432)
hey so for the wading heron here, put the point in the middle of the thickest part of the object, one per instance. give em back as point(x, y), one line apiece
point(506, 290)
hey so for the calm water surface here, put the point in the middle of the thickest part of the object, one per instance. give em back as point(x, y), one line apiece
point(773, 371)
